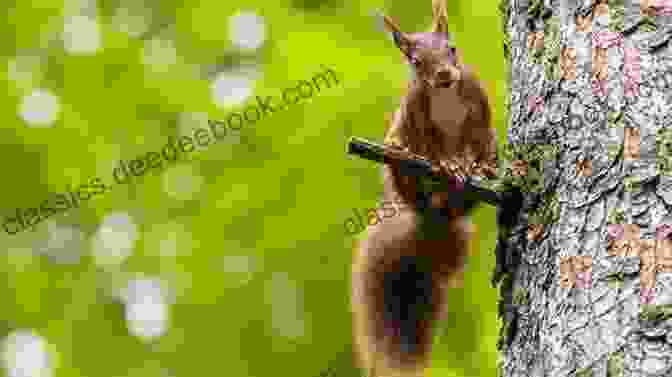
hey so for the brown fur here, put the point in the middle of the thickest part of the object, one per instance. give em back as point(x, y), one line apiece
point(458, 136)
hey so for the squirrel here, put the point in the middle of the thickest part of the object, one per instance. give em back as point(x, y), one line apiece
point(403, 268)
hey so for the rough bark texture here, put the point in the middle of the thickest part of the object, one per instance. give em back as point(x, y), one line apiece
point(595, 81)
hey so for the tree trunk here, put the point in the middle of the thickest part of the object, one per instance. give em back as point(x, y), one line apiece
point(585, 287)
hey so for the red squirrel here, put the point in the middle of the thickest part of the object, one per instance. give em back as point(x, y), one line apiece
point(402, 269)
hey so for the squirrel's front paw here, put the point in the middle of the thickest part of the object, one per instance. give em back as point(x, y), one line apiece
point(396, 145)
point(454, 175)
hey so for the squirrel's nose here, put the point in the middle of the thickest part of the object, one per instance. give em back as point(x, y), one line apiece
point(444, 75)
point(447, 75)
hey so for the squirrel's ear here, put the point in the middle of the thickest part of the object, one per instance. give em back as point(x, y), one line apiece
point(386, 24)
point(439, 16)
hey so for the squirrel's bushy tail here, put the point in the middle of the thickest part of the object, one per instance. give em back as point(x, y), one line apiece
point(401, 302)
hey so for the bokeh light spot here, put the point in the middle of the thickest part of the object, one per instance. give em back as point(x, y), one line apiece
point(40, 108)
point(115, 239)
point(182, 182)
point(239, 269)
point(81, 35)
point(64, 244)
point(247, 30)
point(231, 88)
point(159, 55)
point(286, 302)
point(25, 354)
point(146, 308)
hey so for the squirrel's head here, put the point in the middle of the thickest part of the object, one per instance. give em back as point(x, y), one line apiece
point(433, 57)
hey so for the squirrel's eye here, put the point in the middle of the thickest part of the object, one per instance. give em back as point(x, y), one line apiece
point(415, 61)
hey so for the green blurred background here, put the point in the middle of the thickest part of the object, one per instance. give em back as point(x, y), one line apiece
point(234, 260)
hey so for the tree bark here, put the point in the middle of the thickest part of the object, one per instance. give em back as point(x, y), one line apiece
point(585, 290)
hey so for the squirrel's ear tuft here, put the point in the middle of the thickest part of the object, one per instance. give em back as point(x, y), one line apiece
point(379, 19)
point(388, 26)
point(439, 16)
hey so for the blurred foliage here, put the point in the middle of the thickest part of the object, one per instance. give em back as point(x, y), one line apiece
point(287, 169)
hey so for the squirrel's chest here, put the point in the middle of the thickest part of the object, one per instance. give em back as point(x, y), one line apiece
point(448, 110)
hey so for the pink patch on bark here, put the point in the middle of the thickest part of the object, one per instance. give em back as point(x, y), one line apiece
point(663, 231)
point(647, 295)
point(584, 279)
point(632, 71)
point(599, 87)
point(606, 39)
point(535, 103)
point(615, 231)
point(663, 7)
